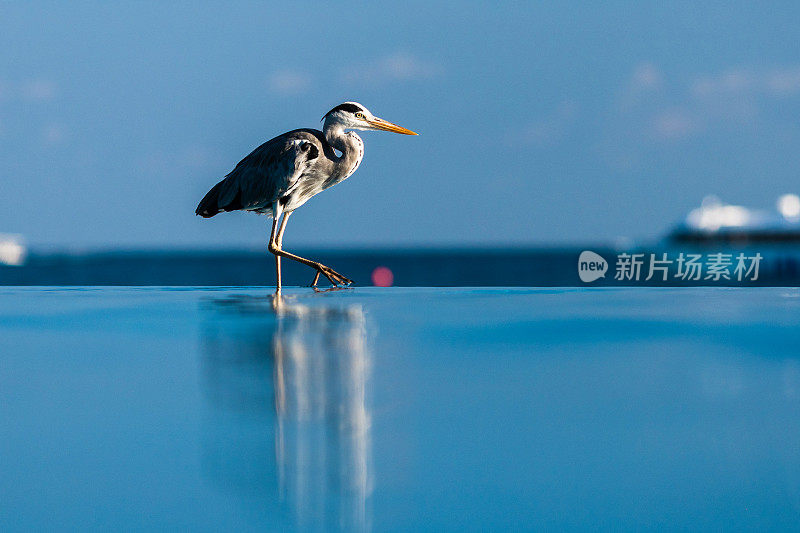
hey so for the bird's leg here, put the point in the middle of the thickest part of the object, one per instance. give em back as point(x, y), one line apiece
point(334, 277)
point(282, 228)
point(279, 240)
point(276, 243)
point(277, 257)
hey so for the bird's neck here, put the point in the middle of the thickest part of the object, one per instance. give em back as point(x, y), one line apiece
point(349, 144)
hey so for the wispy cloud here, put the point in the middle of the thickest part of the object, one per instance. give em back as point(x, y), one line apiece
point(646, 76)
point(54, 134)
point(674, 123)
point(734, 97)
point(655, 109)
point(288, 82)
point(773, 82)
point(650, 108)
point(34, 90)
point(784, 82)
point(39, 90)
point(394, 67)
point(665, 109)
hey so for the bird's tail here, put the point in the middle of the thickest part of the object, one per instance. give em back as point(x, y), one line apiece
point(209, 205)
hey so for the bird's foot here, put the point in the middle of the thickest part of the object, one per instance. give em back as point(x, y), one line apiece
point(336, 279)
point(333, 288)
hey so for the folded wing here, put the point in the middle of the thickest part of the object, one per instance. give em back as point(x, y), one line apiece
point(267, 174)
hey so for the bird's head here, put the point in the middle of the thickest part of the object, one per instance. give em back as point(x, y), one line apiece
point(354, 116)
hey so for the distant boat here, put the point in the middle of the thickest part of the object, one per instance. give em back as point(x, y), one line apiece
point(12, 250)
point(717, 222)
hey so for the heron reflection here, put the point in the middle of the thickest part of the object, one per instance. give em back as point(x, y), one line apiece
point(306, 367)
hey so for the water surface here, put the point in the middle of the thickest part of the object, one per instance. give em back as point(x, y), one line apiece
point(399, 409)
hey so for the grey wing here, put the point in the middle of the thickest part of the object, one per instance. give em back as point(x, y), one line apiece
point(269, 172)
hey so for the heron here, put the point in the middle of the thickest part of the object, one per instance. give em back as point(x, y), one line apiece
point(285, 172)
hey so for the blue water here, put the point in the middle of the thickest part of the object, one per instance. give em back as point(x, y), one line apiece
point(399, 409)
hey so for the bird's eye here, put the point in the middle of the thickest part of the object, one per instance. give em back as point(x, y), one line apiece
point(360, 116)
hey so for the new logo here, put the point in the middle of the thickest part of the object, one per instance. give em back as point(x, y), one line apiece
point(591, 266)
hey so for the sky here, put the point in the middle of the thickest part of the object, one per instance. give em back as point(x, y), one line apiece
point(540, 123)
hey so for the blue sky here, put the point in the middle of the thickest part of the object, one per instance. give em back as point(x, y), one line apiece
point(540, 123)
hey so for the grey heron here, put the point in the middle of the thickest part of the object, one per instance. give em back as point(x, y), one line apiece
point(285, 172)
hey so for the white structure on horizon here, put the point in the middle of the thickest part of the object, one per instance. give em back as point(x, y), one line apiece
point(714, 215)
point(12, 250)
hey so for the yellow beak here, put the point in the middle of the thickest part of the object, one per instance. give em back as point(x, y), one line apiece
point(385, 125)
